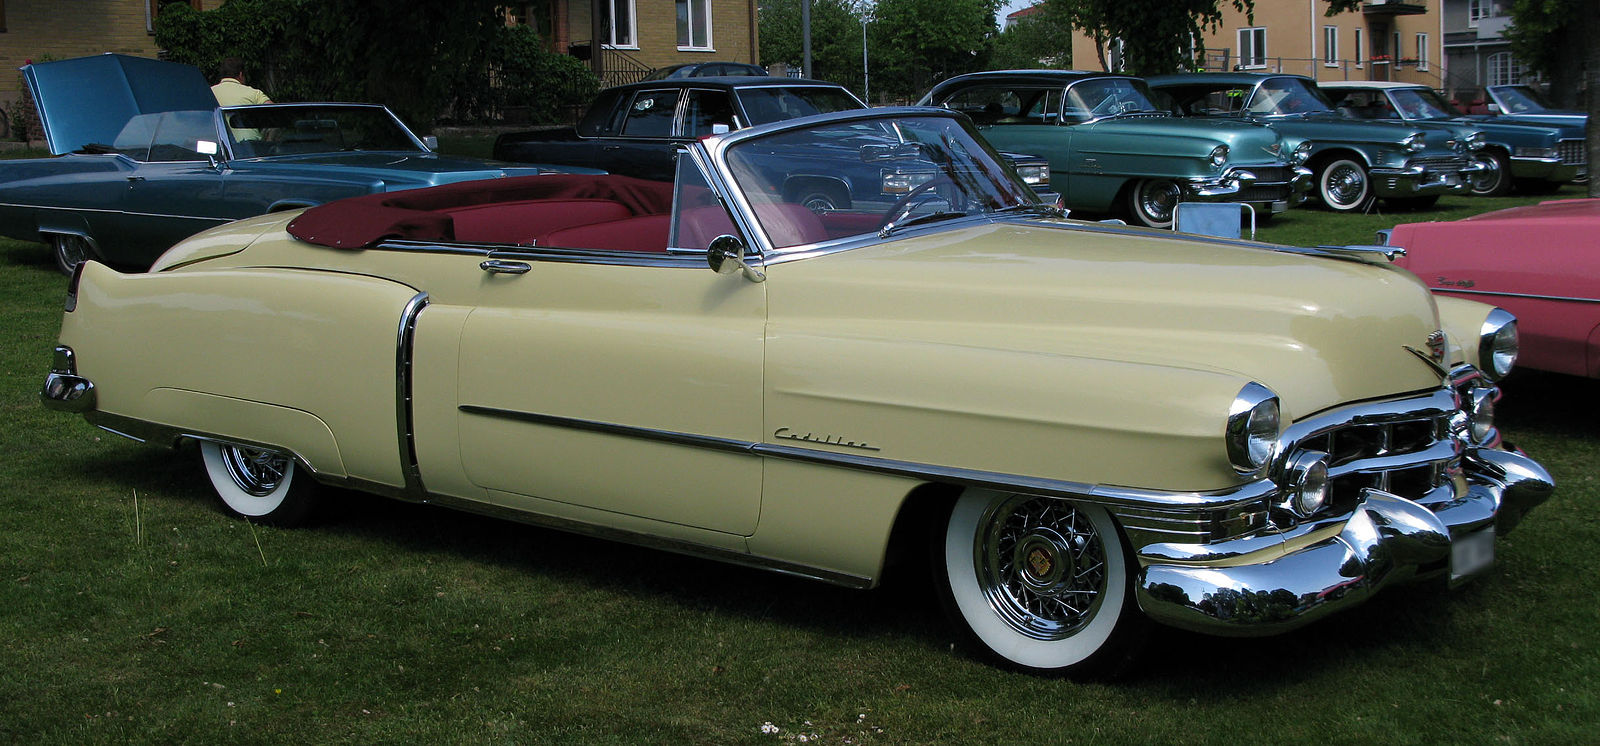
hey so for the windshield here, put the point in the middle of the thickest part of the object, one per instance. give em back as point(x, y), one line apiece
point(258, 131)
point(1105, 97)
point(768, 105)
point(861, 177)
point(1519, 99)
point(1421, 103)
point(1287, 96)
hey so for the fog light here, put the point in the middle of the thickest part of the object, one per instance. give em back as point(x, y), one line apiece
point(1481, 414)
point(1306, 482)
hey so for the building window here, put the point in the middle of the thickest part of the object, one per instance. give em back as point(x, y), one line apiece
point(694, 24)
point(1252, 48)
point(1116, 62)
point(1330, 46)
point(618, 17)
point(1397, 52)
point(1503, 69)
point(1422, 51)
point(1361, 52)
point(1477, 9)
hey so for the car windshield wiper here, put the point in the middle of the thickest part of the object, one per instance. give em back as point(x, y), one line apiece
point(890, 227)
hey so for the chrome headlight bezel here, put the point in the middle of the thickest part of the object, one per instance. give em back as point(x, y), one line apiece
point(1306, 487)
point(1498, 344)
point(1253, 429)
point(1414, 143)
point(1475, 140)
point(1219, 156)
point(1301, 154)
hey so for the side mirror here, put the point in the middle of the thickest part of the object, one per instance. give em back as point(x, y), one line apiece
point(208, 149)
point(726, 256)
point(720, 129)
point(430, 142)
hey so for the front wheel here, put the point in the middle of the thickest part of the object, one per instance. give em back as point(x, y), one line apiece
point(1040, 584)
point(70, 250)
point(1495, 178)
point(1153, 202)
point(259, 484)
point(1345, 186)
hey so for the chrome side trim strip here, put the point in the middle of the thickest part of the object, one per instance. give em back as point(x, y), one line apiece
point(1501, 294)
point(682, 260)
point(405, 340)
point(1102, 494)
point(218, 221)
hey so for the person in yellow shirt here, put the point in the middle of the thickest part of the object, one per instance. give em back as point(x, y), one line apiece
point(231, 90)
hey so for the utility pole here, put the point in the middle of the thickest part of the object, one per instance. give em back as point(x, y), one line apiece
point(805, 36)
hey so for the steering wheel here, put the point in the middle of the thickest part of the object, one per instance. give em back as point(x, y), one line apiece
point(915, 198)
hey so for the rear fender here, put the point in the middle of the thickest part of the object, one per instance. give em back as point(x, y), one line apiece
point(305, 362)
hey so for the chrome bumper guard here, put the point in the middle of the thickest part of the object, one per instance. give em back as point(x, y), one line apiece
point(1228, 186)
point(1260, 586)
point(64, 390)
point(1418, 180)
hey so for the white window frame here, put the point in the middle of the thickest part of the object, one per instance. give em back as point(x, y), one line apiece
point(1395, 51)
point(1330, 46)
point(1257, 59)
point(1502, 69)
point(1361, 53)
point(633, 26)
point(1478, 10)
point(1422, 52)
point(705, 8)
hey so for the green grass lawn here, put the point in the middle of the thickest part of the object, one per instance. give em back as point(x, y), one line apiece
point(133, 610)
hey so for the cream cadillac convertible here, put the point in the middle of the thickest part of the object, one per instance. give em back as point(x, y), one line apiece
point(1080, 426)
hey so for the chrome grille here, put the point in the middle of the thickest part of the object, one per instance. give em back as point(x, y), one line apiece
point(1440, 163)
point(1573, 151)
point(1407, 451)
point(1270, 174)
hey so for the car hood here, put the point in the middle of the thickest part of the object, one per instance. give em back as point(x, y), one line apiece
point(398, 170)
point(89, 99)
point(1502, 130)
point(1240, 137)
point(1318, 330)
point(1575, 120)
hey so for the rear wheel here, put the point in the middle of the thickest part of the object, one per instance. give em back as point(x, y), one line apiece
point(259, 484)
point(1495, 178)
point(1040, 584)
point(1345, 186)
point(1152, 202)
point(70, 251)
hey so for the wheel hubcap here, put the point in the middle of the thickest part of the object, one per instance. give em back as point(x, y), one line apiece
point(73, 251)
point(254, 471)
point(1488, 179)
point(1158, 200)
point(1347, 185)
point(1042, 566)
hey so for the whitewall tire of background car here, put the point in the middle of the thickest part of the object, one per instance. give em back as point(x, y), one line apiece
point(1345, 186)
point(1154, 202)
point(258, 484)
point(1040, 584)
point(71, 250)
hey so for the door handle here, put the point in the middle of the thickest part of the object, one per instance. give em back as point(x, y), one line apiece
point(135, 179)
point(503, 267)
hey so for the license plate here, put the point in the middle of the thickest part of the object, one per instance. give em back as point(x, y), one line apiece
point(1471, 554)
point(1281, 205)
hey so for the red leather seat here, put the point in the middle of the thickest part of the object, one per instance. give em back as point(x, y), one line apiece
point(644, 233)
point(522, 222)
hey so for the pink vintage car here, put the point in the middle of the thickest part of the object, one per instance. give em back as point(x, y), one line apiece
point(1540, 262)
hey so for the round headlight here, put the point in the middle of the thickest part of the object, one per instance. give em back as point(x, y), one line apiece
point(1475, 141)
point(1219, 155)
point(1252, 433)
point(1497, 344)
point(1306, 483)
point(1414, 143)
point(1301, 154)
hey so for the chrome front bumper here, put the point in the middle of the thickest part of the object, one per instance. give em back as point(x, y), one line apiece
point(1265, 585)
point(1545, 169)
point(1421, 180)
point(1242, 185)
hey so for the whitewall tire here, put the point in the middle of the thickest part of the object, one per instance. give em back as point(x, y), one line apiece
point(258, 484)
point(1039, 584)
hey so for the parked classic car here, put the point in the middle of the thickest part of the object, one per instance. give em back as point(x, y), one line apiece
point(1537, 157)
point(1525, 104)
point(146, 158)
point(1540, 262)
point(1355, 162)
point(1074, 423)
point(705, 70)
point(1111, 149)
point(635, 130)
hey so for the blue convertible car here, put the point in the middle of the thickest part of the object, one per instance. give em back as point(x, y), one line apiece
point(146, 158)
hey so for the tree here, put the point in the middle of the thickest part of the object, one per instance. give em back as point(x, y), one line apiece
point(1158, 36)
point(918, 42)
point(835, 38)
point(1041, 39)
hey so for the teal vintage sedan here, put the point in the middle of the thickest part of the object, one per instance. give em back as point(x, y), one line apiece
point(1355, 162)
point(1112, 149)
point(146, 159)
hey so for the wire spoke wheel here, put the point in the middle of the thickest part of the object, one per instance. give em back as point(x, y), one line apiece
point(1042, 566)
point(258, 483)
